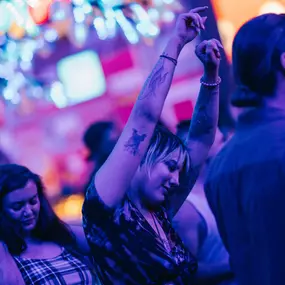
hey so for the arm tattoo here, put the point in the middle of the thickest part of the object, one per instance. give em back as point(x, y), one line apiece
point(203, 122)
point(180, 45)
point(133, 143)
point(157, 77)
point(179, 49)
point(205, 114)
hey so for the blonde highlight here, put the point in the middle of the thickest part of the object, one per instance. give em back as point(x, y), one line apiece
point(162, 145)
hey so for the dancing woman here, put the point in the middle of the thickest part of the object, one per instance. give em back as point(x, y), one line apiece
point(130, 203)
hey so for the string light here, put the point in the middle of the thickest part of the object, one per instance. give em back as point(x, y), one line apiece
point(31, 13)
point(33, 26)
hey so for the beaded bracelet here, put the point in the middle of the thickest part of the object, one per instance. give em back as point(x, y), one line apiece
point(170, 58)
point(211, 84)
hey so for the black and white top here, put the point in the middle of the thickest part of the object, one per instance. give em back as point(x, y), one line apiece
point(64, 269)
point(128, 250)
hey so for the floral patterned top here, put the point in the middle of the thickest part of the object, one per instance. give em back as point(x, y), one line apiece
point(128, 250)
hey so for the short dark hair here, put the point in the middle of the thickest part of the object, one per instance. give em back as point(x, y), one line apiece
point(182, 128)
point(94, 136)
point(256, 58)
point(49, 227)
point(183, 125)
point(3, 158)
point(163, 142)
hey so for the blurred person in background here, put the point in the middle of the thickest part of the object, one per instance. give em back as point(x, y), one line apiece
point(100, 139)
point(3, 158)
point(36, 247)
point(245, 186)
point(130, 204)
point(196, 225)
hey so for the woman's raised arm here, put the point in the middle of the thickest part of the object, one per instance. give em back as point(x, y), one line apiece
point(204, 122)
point(113, 179)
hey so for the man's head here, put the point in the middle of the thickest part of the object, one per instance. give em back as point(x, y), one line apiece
point(259, 60)
point(182, 129)
point(100, 139)
point(3, 158)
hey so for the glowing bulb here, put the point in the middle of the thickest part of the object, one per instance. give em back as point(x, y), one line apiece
point(5, 17)
point(79, 15)
point(227, 32)
point(78, 2)
point(110, 22)
point(129, 31)
point(272, 7)
point(158, 2)
point(70, 208)
point(80, 33)
point(8, 94)
point(57, 95)
point(25, 65)
point(168, 16)
point(73, 206)
point(19, 19)
point(32, 3)
point(16, 98)
point(153, 31)
point(147, 29)
point(153, 14)
point(87, 8)
point(99, 24)
point(50, 35)
point(32, 29)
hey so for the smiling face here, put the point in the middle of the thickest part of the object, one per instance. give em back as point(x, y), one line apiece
point(155, 185)
point(22, 206)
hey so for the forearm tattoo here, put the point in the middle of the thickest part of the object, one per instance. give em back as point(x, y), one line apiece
point(180, 45)
point(133, 143)
point(203, 120)
point(157, 77)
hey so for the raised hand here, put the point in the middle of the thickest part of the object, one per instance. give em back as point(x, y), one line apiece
point(188, 25)
point(209, 54)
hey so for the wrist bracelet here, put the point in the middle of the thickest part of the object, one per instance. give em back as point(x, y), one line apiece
point(170, 58)
point(219, 80)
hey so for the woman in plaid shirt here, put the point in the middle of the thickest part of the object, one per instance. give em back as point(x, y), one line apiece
point(44, 249)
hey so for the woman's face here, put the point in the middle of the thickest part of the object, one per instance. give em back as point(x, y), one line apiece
point(22, 206)
point(163, 176)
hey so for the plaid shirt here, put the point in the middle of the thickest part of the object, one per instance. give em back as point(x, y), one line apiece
point(64, 269)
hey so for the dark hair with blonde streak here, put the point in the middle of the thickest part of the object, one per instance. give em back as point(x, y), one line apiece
point(162, 144)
